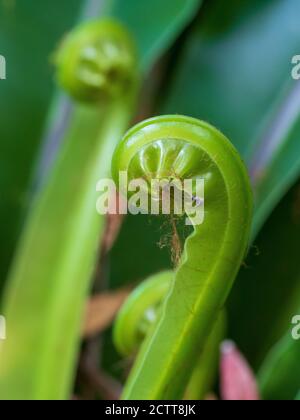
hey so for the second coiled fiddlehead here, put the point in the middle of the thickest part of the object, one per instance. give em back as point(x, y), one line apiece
point(97, 62)
point(181, 147)
point(140, 313)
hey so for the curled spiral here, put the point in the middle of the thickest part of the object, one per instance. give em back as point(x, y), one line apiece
point(97, 60)
point(138, 316)
point(184, 148)
point(140, 312)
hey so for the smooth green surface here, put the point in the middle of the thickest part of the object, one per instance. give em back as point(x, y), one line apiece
point(212, 254)
point(139, 312)
point(207, 365)
point(267, 292)
point(29, 32)
point(155, 24)
point(138, 316)
point(275, 177)
point(279, 376)
point(52, 273)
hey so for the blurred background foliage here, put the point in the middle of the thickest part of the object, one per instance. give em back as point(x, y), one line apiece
point(29, 32)
point(225, 62)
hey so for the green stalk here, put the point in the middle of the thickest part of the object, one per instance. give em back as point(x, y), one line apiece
point(53, 268)
point(206, 367)
point(139, 316)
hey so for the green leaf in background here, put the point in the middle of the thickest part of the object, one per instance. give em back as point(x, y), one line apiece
point(275, 165)
point(154, 24)
point(235, 71)
point(233, 74)
point(280, 374)
point(29, 31)
point(267, 292)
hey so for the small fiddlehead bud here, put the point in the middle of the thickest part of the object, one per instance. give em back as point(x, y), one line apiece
point(139, 312)
point(97, 60)
point(186, 148)
point(138, 316)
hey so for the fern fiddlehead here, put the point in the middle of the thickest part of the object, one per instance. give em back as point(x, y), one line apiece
point(97, 61)
point(52, 271)
point(140, 313)
point(182, 147)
